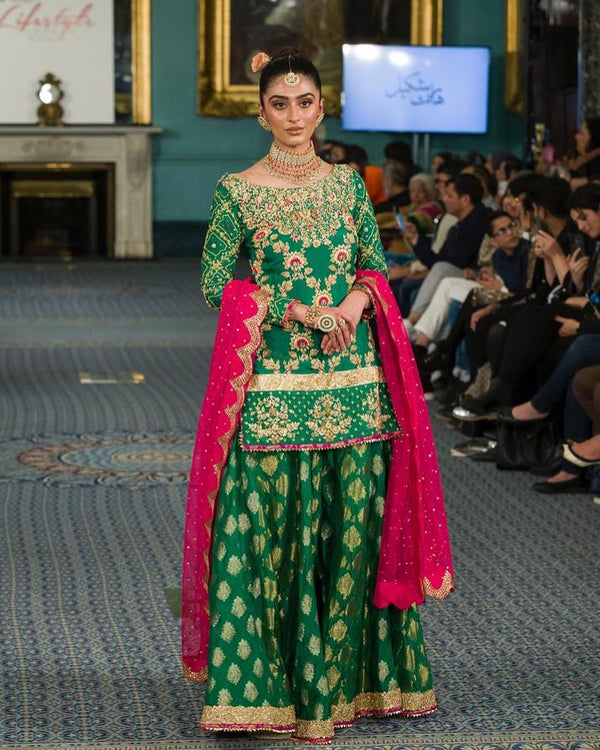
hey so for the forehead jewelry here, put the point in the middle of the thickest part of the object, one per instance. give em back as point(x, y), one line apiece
point(291, 79)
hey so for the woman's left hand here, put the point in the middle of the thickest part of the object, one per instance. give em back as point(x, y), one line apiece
point(352, 308)
point(568, 326)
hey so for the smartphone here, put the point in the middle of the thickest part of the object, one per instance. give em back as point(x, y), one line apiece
point(400, 221)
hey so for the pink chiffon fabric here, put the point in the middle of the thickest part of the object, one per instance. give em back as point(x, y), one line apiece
point(243, 309)
point(414, 556)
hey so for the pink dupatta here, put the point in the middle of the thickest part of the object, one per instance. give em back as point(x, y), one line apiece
point(414, 558)
point(243, 309)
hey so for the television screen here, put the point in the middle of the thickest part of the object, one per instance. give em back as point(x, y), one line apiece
point(415, 89)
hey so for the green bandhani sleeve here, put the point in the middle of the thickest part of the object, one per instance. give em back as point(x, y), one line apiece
point(370, 249)
point(221, 246)
point(221, 249)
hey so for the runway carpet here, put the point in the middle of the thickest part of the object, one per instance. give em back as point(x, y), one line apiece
point(102, 368)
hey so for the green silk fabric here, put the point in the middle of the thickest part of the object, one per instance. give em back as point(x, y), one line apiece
point(304, 243)
point(296, 643)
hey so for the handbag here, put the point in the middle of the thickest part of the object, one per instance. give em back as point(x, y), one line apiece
point(526, 444)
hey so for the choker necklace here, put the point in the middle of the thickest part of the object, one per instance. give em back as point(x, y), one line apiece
point(292, 166)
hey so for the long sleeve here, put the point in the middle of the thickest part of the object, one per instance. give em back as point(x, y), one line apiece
point(370, 249)
point(221, 246)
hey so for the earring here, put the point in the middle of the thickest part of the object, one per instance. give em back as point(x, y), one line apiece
point(319, 119)
point(263, 123)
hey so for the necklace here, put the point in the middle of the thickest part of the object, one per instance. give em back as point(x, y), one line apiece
point(292, 166)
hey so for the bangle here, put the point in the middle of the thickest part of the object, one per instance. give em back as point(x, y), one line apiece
point(319, 320)
point(286, 322)
point(370, 309)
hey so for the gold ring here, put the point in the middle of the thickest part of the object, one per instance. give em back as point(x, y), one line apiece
point(341, 322)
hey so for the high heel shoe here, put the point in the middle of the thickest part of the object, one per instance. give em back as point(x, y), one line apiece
point(577, 460)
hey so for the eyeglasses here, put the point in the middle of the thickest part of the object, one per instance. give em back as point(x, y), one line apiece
point(504, 230)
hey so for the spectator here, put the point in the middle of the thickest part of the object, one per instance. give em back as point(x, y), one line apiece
point(461, 198)
point(488, 183)
point(508, 273)
point(587, 142)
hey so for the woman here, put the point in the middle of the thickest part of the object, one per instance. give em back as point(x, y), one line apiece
point(300, 445)
point(587, 143)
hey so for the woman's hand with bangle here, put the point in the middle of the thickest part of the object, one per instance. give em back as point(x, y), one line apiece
point(352, 307)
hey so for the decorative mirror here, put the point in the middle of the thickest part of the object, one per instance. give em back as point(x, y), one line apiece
point(50, 93)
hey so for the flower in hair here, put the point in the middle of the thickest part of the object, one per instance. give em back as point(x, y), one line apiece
point(259, 61)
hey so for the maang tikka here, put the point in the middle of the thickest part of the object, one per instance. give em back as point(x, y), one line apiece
point(291, 79)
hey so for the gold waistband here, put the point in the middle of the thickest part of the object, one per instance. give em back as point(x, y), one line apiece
point(319, 381)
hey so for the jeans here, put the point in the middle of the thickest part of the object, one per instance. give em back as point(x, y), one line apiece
point(583, 352)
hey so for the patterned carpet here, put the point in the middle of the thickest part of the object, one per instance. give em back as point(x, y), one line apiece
point(92, 492)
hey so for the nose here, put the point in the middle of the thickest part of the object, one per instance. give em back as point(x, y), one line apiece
point(293, 112)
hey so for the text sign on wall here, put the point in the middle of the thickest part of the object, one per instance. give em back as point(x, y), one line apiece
point(71, 39)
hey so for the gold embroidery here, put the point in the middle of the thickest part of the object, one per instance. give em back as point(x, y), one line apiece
point(273, 422)
point(446, 587)
point(239, 717)
point(192, 676)
point(318, 381)
point(251, 718)
point(329, 417)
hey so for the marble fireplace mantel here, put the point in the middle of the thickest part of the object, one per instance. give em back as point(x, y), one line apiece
point(129, 148)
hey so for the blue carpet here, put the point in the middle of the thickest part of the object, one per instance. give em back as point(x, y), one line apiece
point(92, 494)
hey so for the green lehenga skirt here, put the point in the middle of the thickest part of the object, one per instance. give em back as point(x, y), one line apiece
point(296, 644)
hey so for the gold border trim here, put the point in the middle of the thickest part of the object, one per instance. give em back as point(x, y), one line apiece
point(141, 63)
point(445, 588)
point(218, 97)
point(317, 381)
point(513, 42)
point(244, 717)
point(251, 718)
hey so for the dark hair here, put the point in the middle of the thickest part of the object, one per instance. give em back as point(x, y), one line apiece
point(445, 155)
point(453, 167)
point(357, 154)
point(467, 184)
point(512, 164)
point(497, 157)
point(282, 62)
point(494, 216)
point(593, 125)
point(484, 175)
point(398, 151)
point(475, 159)
point(552, 193)
point(586, 197)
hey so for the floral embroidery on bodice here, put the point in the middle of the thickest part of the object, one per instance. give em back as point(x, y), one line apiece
point(303, 243)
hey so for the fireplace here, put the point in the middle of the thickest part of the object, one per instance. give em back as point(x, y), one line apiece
point(57, 210)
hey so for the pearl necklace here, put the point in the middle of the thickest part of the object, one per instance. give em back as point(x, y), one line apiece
point(292, 166)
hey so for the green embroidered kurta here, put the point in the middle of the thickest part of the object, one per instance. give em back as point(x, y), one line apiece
point(303, 243)
point(296, 643)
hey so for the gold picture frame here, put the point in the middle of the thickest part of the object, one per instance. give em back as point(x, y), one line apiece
point(136, 105)
point(220, 97)
point(141, 45)
point(513, 45)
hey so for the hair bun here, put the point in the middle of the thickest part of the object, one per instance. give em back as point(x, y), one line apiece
point(258, 62)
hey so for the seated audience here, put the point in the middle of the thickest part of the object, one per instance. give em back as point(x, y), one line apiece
point(508, 273)
point(461, 198)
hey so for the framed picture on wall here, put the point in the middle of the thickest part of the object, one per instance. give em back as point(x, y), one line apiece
point(230, 32)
